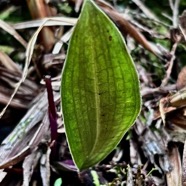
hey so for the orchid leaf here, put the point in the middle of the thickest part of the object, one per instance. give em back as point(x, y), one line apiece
point(100, 88)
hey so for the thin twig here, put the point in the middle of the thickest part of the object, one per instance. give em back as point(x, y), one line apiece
point(160, 90)
point(171, 5)
point(174, 7)
point(171, 62)
point(145, 10)
point(175, 13)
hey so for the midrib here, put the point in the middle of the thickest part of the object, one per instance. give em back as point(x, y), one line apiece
point(97, 100)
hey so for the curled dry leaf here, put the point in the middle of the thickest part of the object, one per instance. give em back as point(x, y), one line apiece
point(171, 103)
point(164, 107)
point(173, 113)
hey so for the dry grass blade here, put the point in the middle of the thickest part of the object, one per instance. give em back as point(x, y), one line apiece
point(63, 40)
point(145, 10)
point(52, 21)
point(12, 32)
point(175, 11)
point(29, 52)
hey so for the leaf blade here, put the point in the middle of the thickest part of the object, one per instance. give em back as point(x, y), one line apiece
point(99, 102)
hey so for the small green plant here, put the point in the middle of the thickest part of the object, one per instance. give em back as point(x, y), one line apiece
point(100, 88)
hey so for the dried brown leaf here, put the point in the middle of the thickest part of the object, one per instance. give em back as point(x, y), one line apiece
point(124, 25)
point(7, 62)
point(29, 164)
point(178, 118)
point(30, 128)
point(171, 103)
point(45, 167)
point(178, 99)
point(174, 177)
point(16, 103)
point(182, 23)
point(184, 165)
point(38, 10)
point(181, 81)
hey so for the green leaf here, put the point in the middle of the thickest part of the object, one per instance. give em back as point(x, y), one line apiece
point(100, 88)
point(58, 182)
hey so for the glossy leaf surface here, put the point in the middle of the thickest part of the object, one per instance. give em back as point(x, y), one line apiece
point(100, 88)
